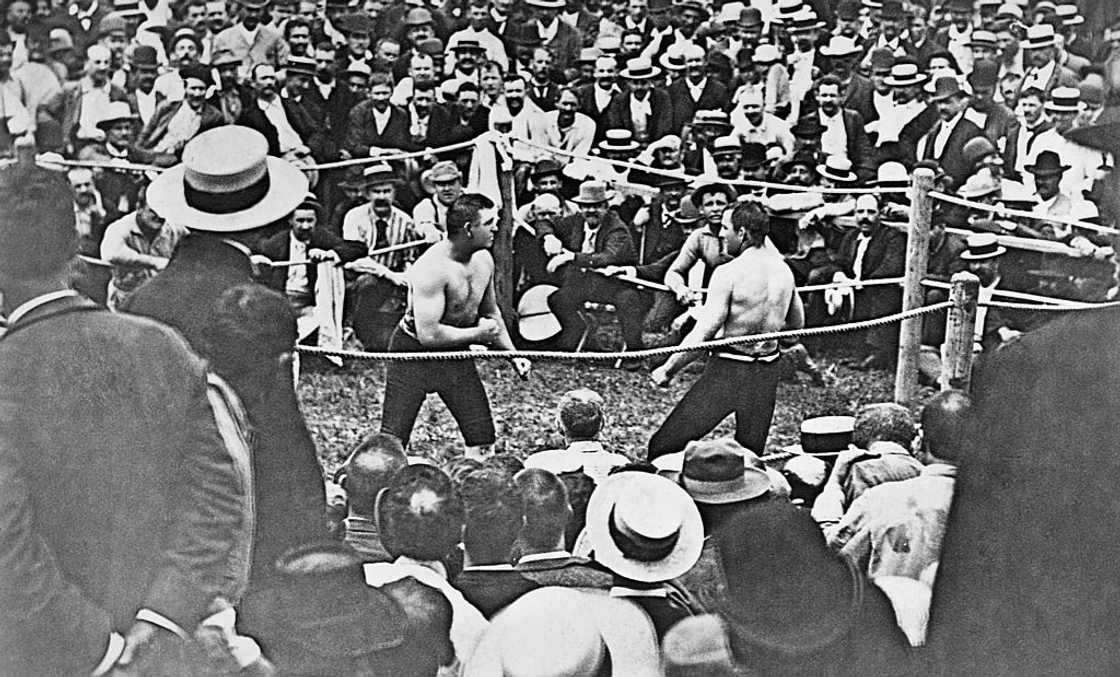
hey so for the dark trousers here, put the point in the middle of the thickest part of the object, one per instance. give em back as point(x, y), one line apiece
point(407, 385)
point(746, 389)
point(630, 302)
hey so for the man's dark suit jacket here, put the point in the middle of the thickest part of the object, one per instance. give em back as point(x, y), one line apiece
point(361, 134)
point(613, 244)
point(859, 95)
point(253, 117)
point(951, 158)
point(1002, 124)
point(885, 256)
point(492, 591)
point(287, 478)
point(714, 96)
point(658, 243)
point(585, 94)
point(332, 115)
point(116, 492)
point(1030, 545)
point(859, 145)
point(570, 572)
point(660, 121)
point(279, 247)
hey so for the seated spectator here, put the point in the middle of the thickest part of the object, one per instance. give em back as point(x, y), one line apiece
point(493, 520)
point(444, 184)
point(367, 471)
point(647, 532)
point(138, 245)
point(553, 631)
point(421, 520)
point(118, 189)
point(376, 124)
point(896, 528)
point(880, 452)
point(580, 418)
point(541, 553)
point(175, 122)
point(796, 607)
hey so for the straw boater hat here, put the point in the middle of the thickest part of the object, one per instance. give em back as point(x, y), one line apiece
point(726, 145)
point(980, 184)
point(766, 55)
point(643, 527)
point(905, 73)
point(618, 141)
point(227, 183)
point(535, 320)
point(982, 246)
point(892, 174)
point(376, 174)
point(840, 46)
point(1063, 100)
point(837, 169)
point(546, 4)
point(639, 69)
point(1039, 36)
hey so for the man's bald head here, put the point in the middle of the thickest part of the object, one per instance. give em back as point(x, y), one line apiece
point(369, 469)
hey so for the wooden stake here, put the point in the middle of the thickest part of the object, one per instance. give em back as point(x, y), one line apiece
point(917, 253)
point(960, 329)
point(503, 246)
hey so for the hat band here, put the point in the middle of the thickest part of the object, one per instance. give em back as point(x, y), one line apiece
point(641, 548)
point(984, 250)
point(226, 202)
point(714, 487)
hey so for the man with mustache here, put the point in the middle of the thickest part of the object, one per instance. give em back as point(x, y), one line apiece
point(283, 122)
point(251, 40)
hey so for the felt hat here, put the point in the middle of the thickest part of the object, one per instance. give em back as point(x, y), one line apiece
point(1010, 10)
point(60, 40)
point(891, 9)
point(430, 46)
point(892, 174)
point(808, 127)
point(698, 644)
point(980, 184)
point(804, 157)
point(750, 17)
point(945, 86)
point(840, 46)
point(357, 23)
point(546, 167)
point(788, 593)
point(225, 57)
point(535, 321)
point(639, 69)
point(882, 60)
point(117, 111)
point(1039, 36)
point(848, 10)
point(1063, 100)
point(698, 193)
point(197, 72)
point(715, 472)
point(644, 527)
point(976, 149)
point(687, 213)
point(695, 5)
point(985, 73)
point(982, 246)
point(959, 5)
point(837, 169)
point(618, 141)
point(905, 73)
point(302, 65)
point(440, 172)
point(144, 58)
point(253, 4)
point(1091, 89)
point(112, 22)
point(227, 183)
point(417, 16)
point(360, 68)
point(593, 192)
point(766, 54)
point(1047, 164)
point(754, 155)
point(608, 44)
point(726, 145)
point(729, 12)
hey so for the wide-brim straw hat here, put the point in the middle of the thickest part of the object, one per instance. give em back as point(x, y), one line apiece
point(227, 183)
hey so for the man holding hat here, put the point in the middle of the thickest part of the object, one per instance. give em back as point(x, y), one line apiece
point(575, 245)
point(251, 40)
point(1085, 163)
point(754, 293)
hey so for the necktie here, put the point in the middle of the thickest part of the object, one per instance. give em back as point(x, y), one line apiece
point(861, 251)
point(589, 241)
point(381, 237)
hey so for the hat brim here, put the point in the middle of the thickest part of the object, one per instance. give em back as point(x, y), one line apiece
point(546, 4)
point(629, 148)
point(999, 251)
point(1047, 171)
point(535, 320)
point(1043, 45)
point(1060, 109)
point(607, 197)
point(915, 80)
point(850, 177)
point(752, 484)
point(287, 188)
point(725, 189)
point(627, 74)
point(825, 51)
point(105, 124)
point(685, 554)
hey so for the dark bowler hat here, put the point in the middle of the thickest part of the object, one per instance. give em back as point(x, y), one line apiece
point(945, 86)
point(808, 127)
point(698, 194)
point(1047, 164)
point(985, 73)
point(694, 5)
point(546, 167)
point(144, 58)
point(618, 141)
point(892, 9)
point(750, 17)
point(754, 155)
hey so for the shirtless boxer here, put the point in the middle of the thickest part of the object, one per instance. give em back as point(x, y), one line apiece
point(751, 294)
point(451, 307)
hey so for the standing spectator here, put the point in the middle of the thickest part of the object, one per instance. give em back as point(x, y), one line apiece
point(642, 109)
point(1040, 51)
point(995, 120)
point(118, 189)
point(560, 38)
point(252, 41)
point(120, 510)
point(82, 104)
point(596, 96)
point(695, 91)
point(478, 28)
point(945, 140)
point(375, 123)
point(176, 122)
point(142, 96)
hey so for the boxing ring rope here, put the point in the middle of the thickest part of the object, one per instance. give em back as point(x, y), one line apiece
point(1007, 211)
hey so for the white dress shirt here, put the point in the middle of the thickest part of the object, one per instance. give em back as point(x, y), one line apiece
point(274, 111)
point(834, 139)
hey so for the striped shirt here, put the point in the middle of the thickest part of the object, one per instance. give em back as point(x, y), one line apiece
point(360, 223)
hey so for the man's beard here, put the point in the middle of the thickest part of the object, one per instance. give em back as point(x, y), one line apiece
point(302, 234)
point(515, 104)
point(829, 109)
point(566, 119)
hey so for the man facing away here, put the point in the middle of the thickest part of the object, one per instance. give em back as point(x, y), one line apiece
point(751, 294)
point(452, 306)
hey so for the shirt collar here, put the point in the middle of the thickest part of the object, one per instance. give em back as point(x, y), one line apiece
point(41, 300)
point(583, 446)
point(250, 35)
point(75, 11)
point(433, 565)
point(952, 123)
point(544, 556)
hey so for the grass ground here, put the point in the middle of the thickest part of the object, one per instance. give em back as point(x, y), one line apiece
point(342, 406)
